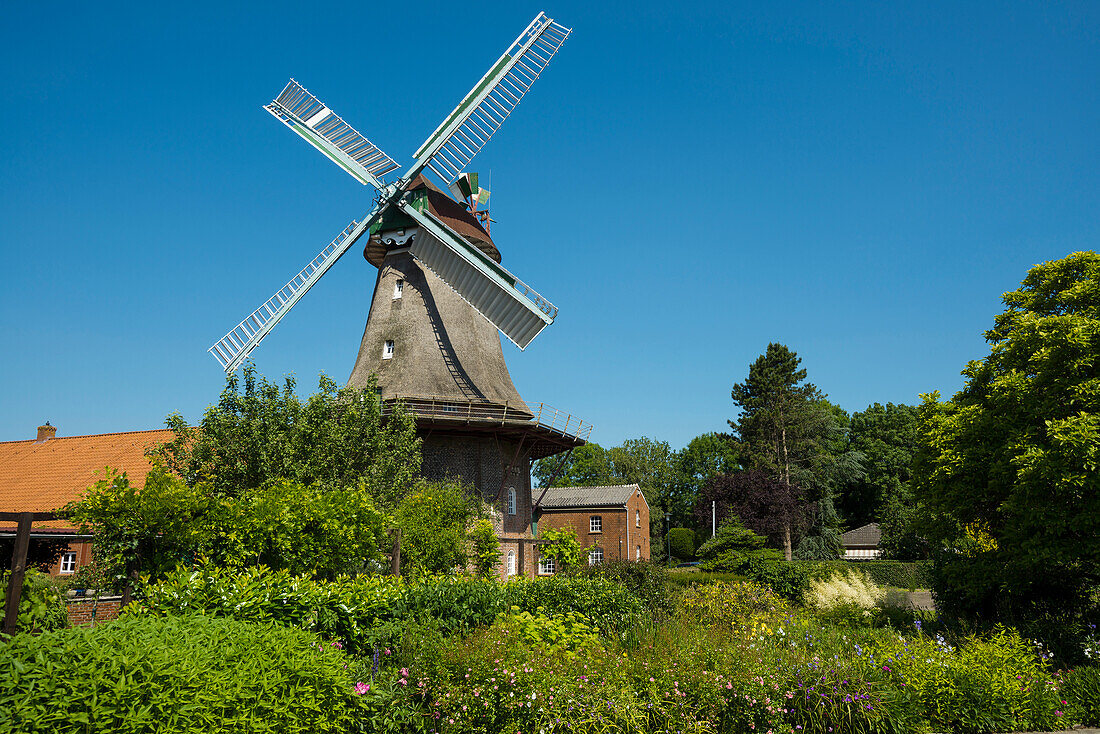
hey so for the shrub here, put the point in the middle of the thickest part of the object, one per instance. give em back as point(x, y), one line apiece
point(681, 542)
point(846, 598)
point(739, 604)
point(646, 580)
point(898, 574)
point(606, 603)
point(41, 606)
point(186, 674)
point(563, 634)
point(1082, 694)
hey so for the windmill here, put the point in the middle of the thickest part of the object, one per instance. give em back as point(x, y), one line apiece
point(441, 296)
point(509, 304)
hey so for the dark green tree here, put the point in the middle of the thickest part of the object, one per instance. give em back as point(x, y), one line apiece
point(732, 546)
point(787, 429)
point(1006, 476)
point(586, 466)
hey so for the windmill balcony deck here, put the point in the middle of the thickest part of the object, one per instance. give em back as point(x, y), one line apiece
point(551, 430)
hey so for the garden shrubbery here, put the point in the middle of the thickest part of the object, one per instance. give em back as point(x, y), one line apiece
point(187, 674)
point(898, 574)
point(42, 605)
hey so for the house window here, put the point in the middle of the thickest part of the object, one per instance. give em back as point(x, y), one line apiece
point(511, 500)
point(68, 563)
point(546, 566)
point(637, 518)
point(398, 289)
point(595, 524)
point(511, 563)
point(595, 556)
point(638, 553)
point(387, 351)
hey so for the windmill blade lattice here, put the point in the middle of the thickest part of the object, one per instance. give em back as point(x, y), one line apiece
point(325, 130)
point(508, 303)
point(233, 348)
point(481, 112)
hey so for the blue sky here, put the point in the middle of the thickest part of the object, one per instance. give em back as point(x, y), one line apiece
point(687, 182)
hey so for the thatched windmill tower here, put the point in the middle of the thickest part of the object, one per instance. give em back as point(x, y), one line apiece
point(441, 294)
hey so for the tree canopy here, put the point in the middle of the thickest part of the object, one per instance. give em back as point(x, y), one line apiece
point(1014, 455)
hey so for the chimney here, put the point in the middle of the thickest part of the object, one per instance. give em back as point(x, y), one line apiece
point(46, 432)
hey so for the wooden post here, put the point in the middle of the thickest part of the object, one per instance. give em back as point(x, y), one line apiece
point(18, 570)
point(395, 557)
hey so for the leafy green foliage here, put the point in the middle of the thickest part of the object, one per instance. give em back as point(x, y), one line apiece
point(287, 525)
point(484, 547)
point(646, 581)
point(730, 546)
point(41, 605)
point(681, 542)
point(433, 519)
point(336, 438)
point(559, 635)
point(909, 575)
point(886, 436)
point(1016, 453)
point(148, 529)
point(562, 546)
point(185, 675)
point(1082, 694)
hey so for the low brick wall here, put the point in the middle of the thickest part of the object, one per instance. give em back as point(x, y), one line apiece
point(90, 612)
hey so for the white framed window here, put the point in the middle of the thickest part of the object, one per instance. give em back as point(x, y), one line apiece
point(387, 350)
point(595, 524)
point(511, 500)
point(546, 566)
point(398, 289)
point(68, 563)
point(511, 568)
point(638, 553)
point(637, 518)
point(595, 555)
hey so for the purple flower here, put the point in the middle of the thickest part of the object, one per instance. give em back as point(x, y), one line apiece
point(361, 688)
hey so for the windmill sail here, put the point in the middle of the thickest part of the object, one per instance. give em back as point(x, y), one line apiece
point(508, 303)
point(233, 348)
point(327, 132)
point(481, 112)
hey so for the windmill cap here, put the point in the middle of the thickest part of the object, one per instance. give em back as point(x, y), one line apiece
point(454, 215)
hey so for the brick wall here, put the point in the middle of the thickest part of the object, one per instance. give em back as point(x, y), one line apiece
point(90, 612)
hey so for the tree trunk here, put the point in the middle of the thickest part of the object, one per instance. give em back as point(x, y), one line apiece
point(787, 541)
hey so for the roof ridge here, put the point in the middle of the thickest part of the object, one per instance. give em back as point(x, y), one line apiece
point(89, 435)
point(597, 486)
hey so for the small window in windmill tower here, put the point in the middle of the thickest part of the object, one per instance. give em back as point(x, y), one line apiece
point(595, 524)
point(511, 569)
point(398, 289)
point(511, 500)
point(387, 351)
point(637, 553)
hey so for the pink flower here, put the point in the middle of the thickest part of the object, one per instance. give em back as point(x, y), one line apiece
point(386, 651)
point(404, 672)
point(1057, 713)
point(361, 688)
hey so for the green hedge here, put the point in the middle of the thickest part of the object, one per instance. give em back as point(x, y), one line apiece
point(368, 611)
point(899, 574)
point(177, 675)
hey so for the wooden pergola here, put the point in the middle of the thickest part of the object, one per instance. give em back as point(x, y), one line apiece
point(19, 561)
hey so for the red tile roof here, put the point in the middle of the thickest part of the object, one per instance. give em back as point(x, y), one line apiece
point(39, 476)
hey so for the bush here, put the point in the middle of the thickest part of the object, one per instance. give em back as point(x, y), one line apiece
point(646, 580)
point(186, 674)
point(367, 612)
point(681, 541)
point(1082, 694)
point(41, 607)
point(898, 574)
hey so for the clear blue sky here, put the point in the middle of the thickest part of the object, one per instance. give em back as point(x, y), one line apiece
point(687, 182)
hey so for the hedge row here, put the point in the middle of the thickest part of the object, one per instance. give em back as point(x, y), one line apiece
point(899, 574)
point(370, 611)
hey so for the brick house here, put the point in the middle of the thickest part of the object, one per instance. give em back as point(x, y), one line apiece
point(47, 472)
point(611, 523)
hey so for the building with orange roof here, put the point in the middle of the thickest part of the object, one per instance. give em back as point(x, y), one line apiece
point(47, 472)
